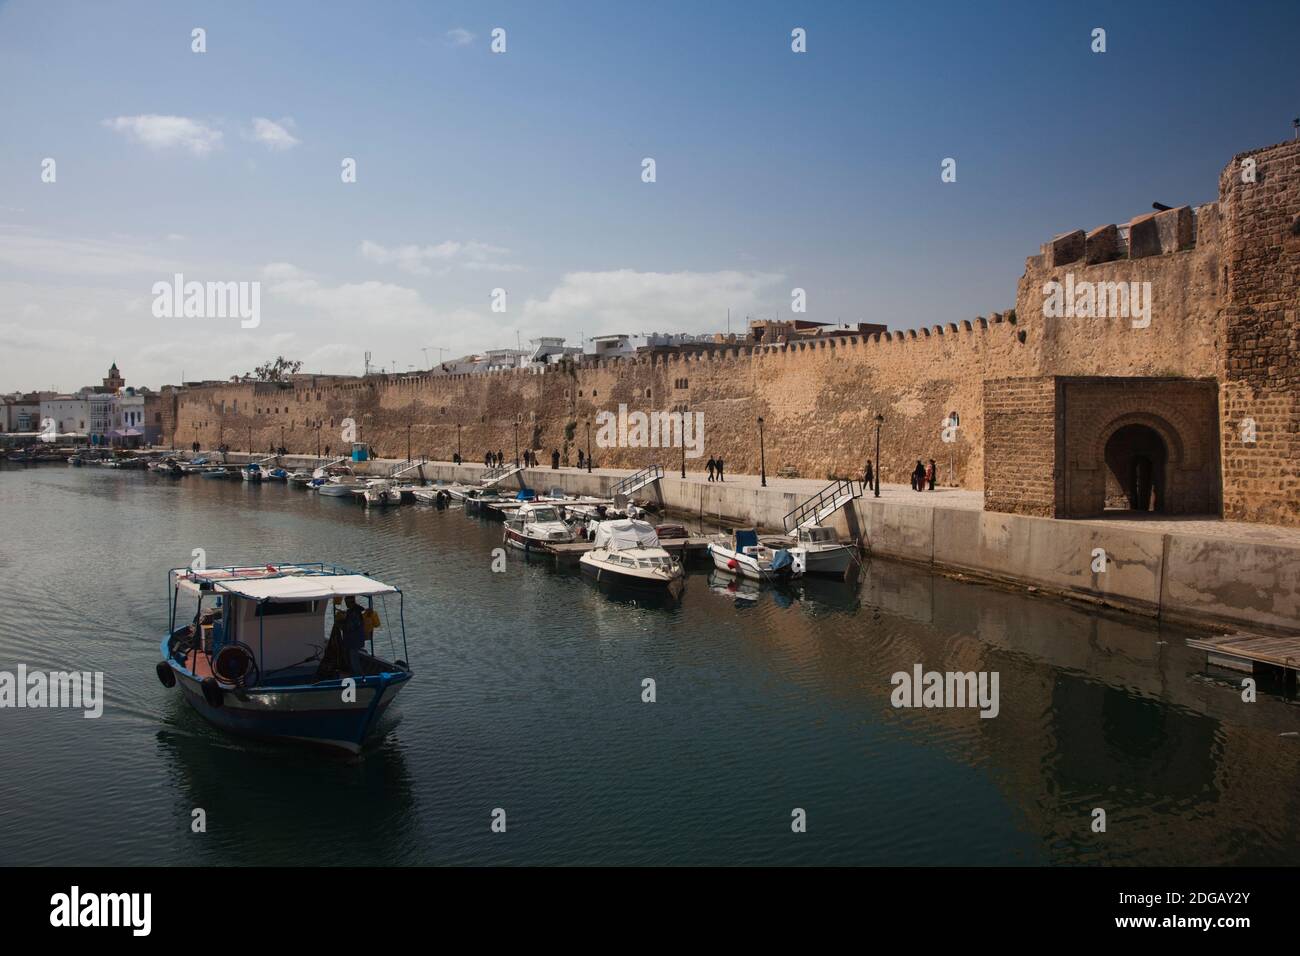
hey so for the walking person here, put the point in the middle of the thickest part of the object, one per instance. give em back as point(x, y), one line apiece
point(930, 473)
point(712, 466)
point(918, 476)
point(868, 478)
point(501, 457)
point(720, 476)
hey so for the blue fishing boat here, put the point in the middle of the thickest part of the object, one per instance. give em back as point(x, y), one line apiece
point(263, 654)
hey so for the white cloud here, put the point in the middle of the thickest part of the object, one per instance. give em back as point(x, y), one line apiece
point(459, 36)
point(360, 304)
point(80, 257)
point(624, 300)
point(274, 135)
point(449, 254)
point(167, 132)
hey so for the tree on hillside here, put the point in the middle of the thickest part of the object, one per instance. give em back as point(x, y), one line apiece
point(277, 371)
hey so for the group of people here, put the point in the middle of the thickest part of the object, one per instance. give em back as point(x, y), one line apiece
point(923, 475)
point(494, 459)
point(714, 465)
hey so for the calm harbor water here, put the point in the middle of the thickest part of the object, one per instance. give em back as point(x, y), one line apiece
point(527, 696)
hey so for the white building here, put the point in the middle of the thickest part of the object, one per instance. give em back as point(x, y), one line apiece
point(622, 344)
point(495, 360)
point(103, 406)
point(550, 350)
point(70, 414)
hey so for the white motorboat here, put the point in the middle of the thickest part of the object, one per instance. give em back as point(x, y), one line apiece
point(300, 478)
point(252, 472)
point(744, 555)
point(817, 549)
point(336, 481)
point(340, 487)
point(432, 495)
point(381, 492)
point(535, 525)
point(628, 553)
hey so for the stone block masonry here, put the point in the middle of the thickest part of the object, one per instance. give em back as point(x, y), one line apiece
point(1223, 281)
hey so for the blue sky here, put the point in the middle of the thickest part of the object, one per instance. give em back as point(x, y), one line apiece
point(522, 170)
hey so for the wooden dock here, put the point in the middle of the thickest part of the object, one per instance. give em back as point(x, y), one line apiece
point(1242, 651)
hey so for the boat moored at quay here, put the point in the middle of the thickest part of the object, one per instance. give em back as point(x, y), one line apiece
point(264, 654)
point(535, 526)
point(628, 554)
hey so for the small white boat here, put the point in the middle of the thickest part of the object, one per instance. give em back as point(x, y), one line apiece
point(628, 553)
point(536, 525)
point(744, 555)
point(818, 550)
point(336, 481)
point(381, 492)
point(300, 478)
point(251, 472)
point(432, 495)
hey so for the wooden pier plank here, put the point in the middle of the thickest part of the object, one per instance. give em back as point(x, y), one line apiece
point(1257, 648)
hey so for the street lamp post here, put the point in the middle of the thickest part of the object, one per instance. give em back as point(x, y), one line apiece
point(516, 439)
point(762, 455)
point(588, 424)
point(880, 420)
point(458, 453)
point(408, 441)
point(684, 414)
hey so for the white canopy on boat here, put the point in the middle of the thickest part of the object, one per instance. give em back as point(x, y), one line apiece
point(311, 587)
point(625, 534)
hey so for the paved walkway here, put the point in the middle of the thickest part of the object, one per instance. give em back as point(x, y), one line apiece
point(957, 498)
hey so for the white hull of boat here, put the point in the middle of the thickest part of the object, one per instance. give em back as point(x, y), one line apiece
point(336, 490)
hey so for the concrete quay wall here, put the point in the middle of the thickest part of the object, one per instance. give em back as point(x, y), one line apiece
point(1202, 580)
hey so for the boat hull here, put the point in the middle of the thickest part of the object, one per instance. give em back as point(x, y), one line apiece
point(724, 559)
point(314, 715)
point(603, 575)
point(831, 561)
point(524, 542)
point(336, 491)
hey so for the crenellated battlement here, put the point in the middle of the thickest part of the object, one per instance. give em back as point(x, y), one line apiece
point(1218, 293)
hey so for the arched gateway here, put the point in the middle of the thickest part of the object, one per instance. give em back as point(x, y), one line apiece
point(1119, 446)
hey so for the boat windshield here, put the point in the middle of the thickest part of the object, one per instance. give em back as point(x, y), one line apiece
point(544, 514)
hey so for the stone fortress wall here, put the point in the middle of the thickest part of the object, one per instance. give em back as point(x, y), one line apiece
point(1223, 285)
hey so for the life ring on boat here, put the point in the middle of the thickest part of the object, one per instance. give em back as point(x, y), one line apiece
point(165, 674)
point(732, 564)
point(212, 692)
point(234, 663)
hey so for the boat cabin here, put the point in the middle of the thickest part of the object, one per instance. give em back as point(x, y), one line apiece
point(279, 625)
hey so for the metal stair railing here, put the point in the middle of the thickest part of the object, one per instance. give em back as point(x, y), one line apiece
point(408, 465)
point(826, 502)
point(638, 480)
point(493, 475)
